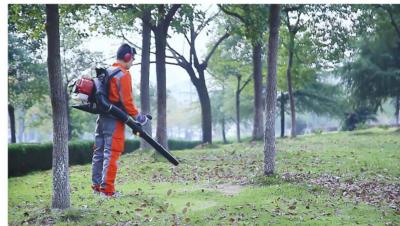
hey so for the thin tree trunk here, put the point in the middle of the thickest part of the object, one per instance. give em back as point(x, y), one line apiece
point(21, 125)
point(61, 189)
point(161, 132)
point(237, 104)
point(289, 81)
point(269, 137)
point(397, 110)
point(258, 124)
point(144, 78)
point(11, 114)
point(283, 101)
point(223, 131)
point(223, 118)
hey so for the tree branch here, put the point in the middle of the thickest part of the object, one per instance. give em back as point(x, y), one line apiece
point(230, 13)
point(393, 21)
point(153, 62)
point(245, 83)
point(296, 26)
point(288, 21)
point(293, 8)
point(187, 38)
point(178, 57)
point(204, 24)
point(175, 53)
point(176, 64)
point(226, 35)
point(113, 8)
point(193, 52)
point(129, 41)
point(146, 18)
point(171, 13)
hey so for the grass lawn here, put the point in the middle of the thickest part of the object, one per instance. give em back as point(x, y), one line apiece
point(341, 178)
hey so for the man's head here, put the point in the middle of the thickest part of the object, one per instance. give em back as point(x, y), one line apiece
point(126, 55)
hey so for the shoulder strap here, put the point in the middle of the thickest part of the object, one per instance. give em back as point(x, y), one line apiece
point(115, 72)
point(110, 76)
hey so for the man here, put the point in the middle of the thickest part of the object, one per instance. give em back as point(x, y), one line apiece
point(109, 137)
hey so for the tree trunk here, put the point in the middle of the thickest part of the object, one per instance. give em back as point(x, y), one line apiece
point(61, 189)
point(269, 137)
point(283, 102)
point(161, 132)
point(258, 124)
point(160, 35)
point(223, 119)
point(205, 104)
point(11, 114)
point(223, 131)
point(68, 113)
point(397, 110)
point(289, 81)
point(21, 125)
point(237, 101)
point(144, 78)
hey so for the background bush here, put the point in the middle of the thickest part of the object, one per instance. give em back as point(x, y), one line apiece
point(25, 158)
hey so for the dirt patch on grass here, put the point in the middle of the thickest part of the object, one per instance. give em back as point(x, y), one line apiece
point(229, 189)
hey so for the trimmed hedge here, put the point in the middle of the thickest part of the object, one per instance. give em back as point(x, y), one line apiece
point(182, 144)
point(25, 158)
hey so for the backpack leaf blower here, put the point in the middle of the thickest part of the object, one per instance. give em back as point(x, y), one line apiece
point(95, 93)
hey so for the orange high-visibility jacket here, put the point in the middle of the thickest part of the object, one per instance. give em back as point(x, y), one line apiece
point(120, 90)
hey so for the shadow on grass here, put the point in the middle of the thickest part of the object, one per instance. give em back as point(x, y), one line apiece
point(397, 131)
point(47, 216)
point(274, 179)
point(71, 215)
point(362, 133)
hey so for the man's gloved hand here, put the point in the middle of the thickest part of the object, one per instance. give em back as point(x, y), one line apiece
point(142, 119)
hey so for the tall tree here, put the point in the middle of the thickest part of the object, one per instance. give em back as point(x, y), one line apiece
point(292, 29)
point(231, 64)
point(313, 91)
point(326, 29)
point(61, 188)
point(239, 88)
point(160, 30)
point(193, 64)
point(254, 20)
point(269, 137)
point(385, 26)
point(218, 104)
point(145, 75)
point(372, 76)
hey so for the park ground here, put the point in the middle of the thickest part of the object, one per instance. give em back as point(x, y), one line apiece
point(343, 178)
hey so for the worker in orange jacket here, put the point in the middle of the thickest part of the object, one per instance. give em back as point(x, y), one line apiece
point(109, 136)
